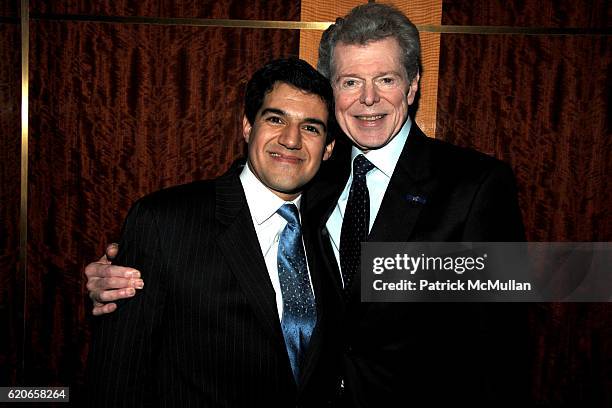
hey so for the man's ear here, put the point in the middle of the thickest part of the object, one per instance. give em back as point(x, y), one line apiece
point(327, 152)
point(413, 88)
point(246, 128)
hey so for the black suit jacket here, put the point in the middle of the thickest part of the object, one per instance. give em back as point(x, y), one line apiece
point(410, 354)
point(205, 330)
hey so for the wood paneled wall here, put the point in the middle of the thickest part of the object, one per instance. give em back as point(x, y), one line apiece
point(541, 103)
point(275, 10)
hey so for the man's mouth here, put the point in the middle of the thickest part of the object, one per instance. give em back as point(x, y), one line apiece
point(285, 158)
point(370, 118)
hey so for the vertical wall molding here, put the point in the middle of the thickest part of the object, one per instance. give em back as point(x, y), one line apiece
point(23, 206)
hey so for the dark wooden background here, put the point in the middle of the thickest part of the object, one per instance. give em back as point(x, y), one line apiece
point(542, 103)
point(120, 110)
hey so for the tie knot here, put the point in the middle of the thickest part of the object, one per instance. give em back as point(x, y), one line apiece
point(361, 166)
point(290, 213)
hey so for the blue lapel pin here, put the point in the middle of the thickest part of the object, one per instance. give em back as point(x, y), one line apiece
point(416, 199)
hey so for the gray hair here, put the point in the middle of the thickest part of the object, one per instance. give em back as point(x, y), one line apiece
point(371, 22)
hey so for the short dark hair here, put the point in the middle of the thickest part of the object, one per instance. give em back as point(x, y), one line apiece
point(296, 73)
point(367, 23)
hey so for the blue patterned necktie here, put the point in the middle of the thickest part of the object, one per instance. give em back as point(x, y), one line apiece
point(355, 223)
point(299, 311)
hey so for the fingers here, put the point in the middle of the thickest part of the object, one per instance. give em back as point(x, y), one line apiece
point(107, 283)
point(100, 269)
point(112, 295)
point(110, 254)
point(95, 284)
point(111, 289)
point(101, 308)
point(111, 251)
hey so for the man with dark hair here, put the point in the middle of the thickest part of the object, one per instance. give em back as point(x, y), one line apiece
point(232, 314)
point(396, 184)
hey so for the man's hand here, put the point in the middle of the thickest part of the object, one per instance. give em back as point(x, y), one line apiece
point(107, 282)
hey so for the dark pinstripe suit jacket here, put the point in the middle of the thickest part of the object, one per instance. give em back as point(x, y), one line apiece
point(204, 331)
point(432, 354)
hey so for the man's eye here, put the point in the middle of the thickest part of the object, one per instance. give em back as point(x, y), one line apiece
point(310, 128)
point(387, 81)
point(349, 83)
point(274, 119)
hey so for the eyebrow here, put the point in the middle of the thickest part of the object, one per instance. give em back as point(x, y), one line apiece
point(283, 113)
point(376, 75)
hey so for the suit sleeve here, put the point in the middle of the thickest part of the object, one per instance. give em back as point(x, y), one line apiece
point(120, 368)
point(495, 215)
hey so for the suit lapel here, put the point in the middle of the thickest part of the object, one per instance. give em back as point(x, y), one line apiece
point(409, 190)
point(239, 244)
point(322, 199)
point(312, 354)
point(329, 259)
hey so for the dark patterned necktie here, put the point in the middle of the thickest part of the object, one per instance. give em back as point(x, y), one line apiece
point(355, 223)
point(299, 311)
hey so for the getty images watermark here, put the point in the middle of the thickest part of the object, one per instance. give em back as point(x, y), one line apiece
point(486, 272)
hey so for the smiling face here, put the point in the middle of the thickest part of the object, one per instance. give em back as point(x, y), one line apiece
point(372, 91)
point(287, 139)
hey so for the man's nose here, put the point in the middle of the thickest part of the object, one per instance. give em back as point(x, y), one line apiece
point(369, 94)
point(291, 137)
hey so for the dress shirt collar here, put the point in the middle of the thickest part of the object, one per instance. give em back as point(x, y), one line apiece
point(385, 159)
point(262, 202)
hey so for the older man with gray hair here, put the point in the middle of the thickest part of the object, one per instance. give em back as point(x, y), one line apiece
point(397, 185)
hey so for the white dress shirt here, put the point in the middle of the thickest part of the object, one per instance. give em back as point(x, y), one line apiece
point(263, 205)
point(384, 159)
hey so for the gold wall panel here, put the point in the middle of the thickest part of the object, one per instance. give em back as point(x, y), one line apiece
point(316, 10)
point(426, 12)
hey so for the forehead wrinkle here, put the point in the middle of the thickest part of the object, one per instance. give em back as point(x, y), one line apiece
point(274, 110)
point(376, 74)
